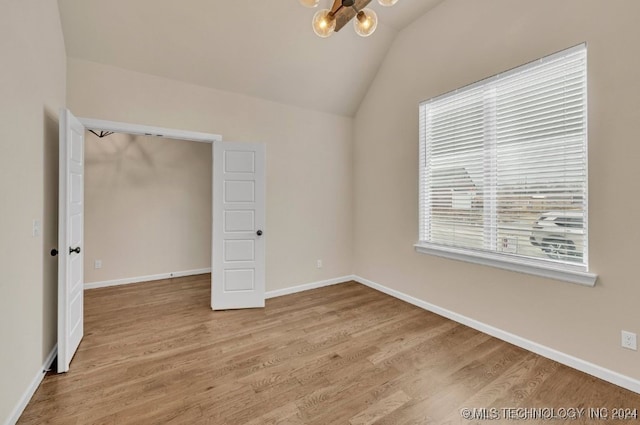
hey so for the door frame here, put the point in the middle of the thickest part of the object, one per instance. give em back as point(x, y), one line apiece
point(147, 130)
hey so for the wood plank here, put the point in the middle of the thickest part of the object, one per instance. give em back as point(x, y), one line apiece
point(155, 353)
point(345, 14)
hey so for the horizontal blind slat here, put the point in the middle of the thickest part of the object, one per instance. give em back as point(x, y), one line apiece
point(513, 145)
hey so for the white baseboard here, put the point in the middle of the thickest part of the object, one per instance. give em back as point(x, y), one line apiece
point(31, 390)
point(544, 351)
point(308, 286)
point(138, 279)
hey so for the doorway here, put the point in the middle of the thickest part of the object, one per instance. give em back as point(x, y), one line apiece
point(237, 237)
point(147, 208)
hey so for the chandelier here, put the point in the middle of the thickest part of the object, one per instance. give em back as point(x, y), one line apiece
point(327, 21)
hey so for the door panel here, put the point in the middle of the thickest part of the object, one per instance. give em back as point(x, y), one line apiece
point(239, 162)
point(239, 221)
point(70, 236)
point(239, 250)
point(239, 191)
point(238, 263)
point(239, 280)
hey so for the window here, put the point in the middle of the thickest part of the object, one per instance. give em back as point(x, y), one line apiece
point(503, 170)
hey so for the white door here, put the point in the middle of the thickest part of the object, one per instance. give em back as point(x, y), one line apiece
point(238, 245)
point(70, 239)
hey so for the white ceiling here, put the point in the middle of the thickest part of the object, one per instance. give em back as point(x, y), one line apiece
point(261, 48)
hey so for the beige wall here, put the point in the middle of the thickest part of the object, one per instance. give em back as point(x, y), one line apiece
point(313, 175)
point(309, 190)
point(32, 89)
point(147, 206)
point(458, 43)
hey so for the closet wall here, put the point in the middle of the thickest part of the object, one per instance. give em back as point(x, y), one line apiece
point(147, 206)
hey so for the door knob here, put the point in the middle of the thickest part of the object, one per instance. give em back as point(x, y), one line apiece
point(76, 250)
point(259, 233)
point(54, 252)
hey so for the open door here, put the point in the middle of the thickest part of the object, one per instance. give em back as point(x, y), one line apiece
point(238, 245)
point(70, 239)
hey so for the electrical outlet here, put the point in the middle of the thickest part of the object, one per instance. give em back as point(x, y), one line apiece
point(319, 264)
point(629, 340)
point(98, 264)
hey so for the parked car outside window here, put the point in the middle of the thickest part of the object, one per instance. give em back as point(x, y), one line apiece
point(560, 234)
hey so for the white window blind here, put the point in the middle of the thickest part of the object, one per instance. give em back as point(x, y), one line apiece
point(503, 164)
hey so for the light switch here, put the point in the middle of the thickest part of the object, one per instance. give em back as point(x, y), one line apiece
point(36, 229)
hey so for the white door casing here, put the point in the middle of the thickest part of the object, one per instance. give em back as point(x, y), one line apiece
point(71, 219)
point(238, 240)
point(239, 234)
point(70, 239)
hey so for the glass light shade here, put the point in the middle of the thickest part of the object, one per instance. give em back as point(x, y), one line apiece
point(310, 3)
point(387, 2)
point(323, 23)
point(365, 22)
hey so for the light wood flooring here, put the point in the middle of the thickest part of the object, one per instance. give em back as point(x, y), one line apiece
point(154, 353)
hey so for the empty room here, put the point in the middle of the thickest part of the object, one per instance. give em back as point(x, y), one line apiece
point(319, 212)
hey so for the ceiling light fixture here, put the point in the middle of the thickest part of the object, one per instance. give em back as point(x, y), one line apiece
point(310, 3)
point(327, 21)
point(323, 23)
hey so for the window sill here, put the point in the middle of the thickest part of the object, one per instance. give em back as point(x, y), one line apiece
point(516, 264)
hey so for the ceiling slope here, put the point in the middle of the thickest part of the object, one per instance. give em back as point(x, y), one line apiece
point(259, 48)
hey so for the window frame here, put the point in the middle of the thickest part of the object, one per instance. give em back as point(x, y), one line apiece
point(578, 273)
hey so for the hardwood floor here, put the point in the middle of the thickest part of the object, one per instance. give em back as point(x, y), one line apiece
point(154, 353)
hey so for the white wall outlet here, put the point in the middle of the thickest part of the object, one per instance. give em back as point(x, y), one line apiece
point(319, 264)
point(629, 340)
point(36, 228)
point(98, 264)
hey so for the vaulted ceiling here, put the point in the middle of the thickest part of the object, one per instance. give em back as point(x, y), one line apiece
point(261, 48)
